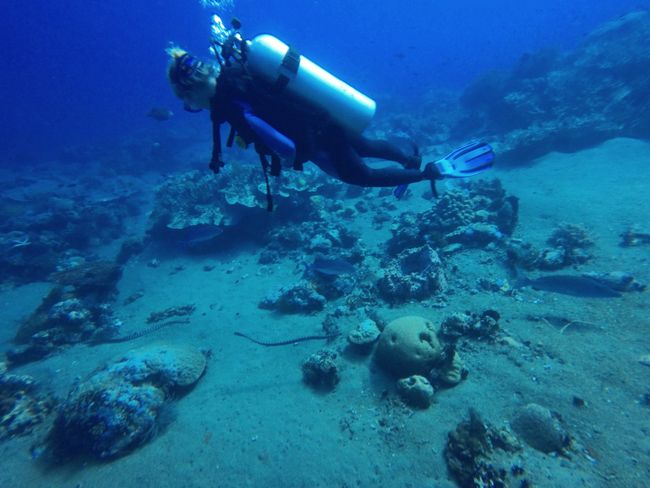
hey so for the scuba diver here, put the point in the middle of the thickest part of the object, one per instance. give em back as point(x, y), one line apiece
point(292, 111)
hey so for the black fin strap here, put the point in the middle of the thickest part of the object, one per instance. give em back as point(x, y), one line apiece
point(269, 198)
point(434, 190)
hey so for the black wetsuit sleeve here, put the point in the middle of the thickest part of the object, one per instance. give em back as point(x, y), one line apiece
point(218, 116)
point(216, 163)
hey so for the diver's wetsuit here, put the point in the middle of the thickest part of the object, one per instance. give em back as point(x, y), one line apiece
point(345, 151)
point(316, 136)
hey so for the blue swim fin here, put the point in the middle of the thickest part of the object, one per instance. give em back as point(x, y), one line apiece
point(469, 159)
point(399, 191)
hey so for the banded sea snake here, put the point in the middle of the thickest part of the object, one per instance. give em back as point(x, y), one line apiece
point(149, 330)
point(290, 341)
point(143, 332)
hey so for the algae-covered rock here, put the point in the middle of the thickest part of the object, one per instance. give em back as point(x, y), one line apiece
point(22, 406)
point(569, 243)
point(475, 451)
point(167, 367)
point(321, 370)
point(475, 235)
point(408, 346)
point(63, 317)
point(364, 335)
point(416, 274)
point(188, 199)
point(298, 298)
point(451, 372)
point(475, 214)
point(200, 198)
point(39, 319)
point(118, 407)
point(416, 391)
point(106, 418)
point(484, 326)
point(540, 428)
point(544, 104)
point(98, 278)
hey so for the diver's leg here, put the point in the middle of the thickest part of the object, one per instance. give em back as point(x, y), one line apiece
point(344, 159)
point(382, 149)
point(351, 169)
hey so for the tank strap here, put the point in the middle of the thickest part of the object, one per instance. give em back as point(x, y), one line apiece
point(288, 69)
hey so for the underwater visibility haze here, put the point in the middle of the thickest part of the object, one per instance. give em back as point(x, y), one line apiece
point(325, 244)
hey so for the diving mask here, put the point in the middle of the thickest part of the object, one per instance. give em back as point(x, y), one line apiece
point(186, 69)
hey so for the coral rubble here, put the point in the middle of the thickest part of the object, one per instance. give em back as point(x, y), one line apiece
point(63, 318)
point(22, 406)
point(473, 450)
point(416, 391)
point(415, 274)
point(474, 215)
point(321, 370)
point(298, 298)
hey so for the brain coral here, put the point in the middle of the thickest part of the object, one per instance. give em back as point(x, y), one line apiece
point(407, 346)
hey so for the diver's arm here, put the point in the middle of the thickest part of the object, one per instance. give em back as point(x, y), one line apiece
point(216, 163)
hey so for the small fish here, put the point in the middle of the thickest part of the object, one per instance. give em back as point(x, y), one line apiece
point(573, 285)
point(161, 114)
point(200, 234)
point(331, 266)
point(635, 237)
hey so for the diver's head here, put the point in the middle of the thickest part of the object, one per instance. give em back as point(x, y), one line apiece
point(193, 81)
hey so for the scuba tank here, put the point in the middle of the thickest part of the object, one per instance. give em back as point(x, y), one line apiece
point(267, 57)
point(273, 60)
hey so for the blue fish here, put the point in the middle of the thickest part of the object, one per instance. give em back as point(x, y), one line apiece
point(331, 266)
point(572, 285)
point(200, 234)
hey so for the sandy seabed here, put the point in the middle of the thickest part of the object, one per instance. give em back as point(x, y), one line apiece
point(251, 421)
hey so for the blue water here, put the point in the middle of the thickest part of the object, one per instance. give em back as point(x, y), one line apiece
point(115, 235)
point(84, 72)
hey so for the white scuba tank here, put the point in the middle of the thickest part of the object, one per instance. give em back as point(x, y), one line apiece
point(267, 57)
